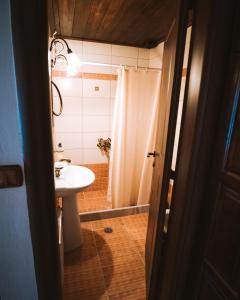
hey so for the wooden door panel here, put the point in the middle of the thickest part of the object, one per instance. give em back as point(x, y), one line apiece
point(224, 246)
point(213, 287)
point(221, 262)
point(163, 118)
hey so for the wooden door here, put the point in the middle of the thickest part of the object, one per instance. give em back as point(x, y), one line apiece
point(219, 274)
point(168, 106)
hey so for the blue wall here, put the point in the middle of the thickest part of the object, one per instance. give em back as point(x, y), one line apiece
point(17, 273)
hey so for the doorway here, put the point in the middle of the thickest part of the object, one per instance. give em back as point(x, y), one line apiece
point(50, 165)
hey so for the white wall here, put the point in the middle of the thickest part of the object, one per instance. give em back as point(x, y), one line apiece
point(87, 114)
point(156, 56)
point(17, 274)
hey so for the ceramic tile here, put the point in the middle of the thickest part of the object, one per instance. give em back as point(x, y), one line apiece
point(75, 155)
point(157, 51)
point(96, 106)
point(96, 88)
point(103, 59)
point(156, 62)
point(121, 60)
point(143, 63)
point(69, 140)
point(95, 123)
point(96, 48)
point(69, 87)
point(90, 139)
point(68, 123)
point(143, 53)
point(107, 266)
point(124, 51)
point(96, 69)
point(71, 105)
point(113, 88)
point(93, 156)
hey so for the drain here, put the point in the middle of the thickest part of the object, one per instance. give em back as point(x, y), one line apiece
point(108, 230)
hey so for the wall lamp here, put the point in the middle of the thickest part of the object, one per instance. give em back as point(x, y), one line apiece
point(56, 49)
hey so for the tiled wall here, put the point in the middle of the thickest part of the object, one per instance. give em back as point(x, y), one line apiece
point(155, 56)
point(101, 177)
point(88, 103)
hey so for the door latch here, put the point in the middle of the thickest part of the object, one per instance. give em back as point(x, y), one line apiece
point(154, 154)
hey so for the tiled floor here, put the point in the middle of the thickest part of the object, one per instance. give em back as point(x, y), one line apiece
point(108, 265)
point(92, 201)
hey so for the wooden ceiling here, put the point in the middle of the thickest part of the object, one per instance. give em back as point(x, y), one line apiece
point(139, 23)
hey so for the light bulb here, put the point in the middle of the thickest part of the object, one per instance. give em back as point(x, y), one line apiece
point(73, 63)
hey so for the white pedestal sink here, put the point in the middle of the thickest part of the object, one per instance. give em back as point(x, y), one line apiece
point(73, 179)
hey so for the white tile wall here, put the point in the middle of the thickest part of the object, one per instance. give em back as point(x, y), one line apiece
point(93, 156)
point(90, 139)
point(96, 123)
point(70, 140)
point(89, 87)
point(87, 112)
point(97, 48)
point(68, 123)
point(69, 87)
point(155, 56)
point(99, 58)
point(76, 155)
point(96, 106)
point(113, 87)
point(143, 53)
point(124, 51)
point(71, 105)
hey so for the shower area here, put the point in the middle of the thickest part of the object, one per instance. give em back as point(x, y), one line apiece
point(108, 123)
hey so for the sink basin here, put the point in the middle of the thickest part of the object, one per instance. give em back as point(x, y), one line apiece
point(72, 180)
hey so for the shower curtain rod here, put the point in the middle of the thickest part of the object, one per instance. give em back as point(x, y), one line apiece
point(117, 66)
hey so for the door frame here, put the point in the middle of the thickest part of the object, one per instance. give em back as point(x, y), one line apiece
point(208, 54)
point(207, 66)
point(30, 47)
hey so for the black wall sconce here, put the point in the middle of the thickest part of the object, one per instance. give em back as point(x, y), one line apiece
point(57, 47)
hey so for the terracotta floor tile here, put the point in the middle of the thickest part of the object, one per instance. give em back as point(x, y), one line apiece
point(92, 201)
point(108, 266)
point(138, 294)
point(115, 223)
point(85, 285)
point(125, 277)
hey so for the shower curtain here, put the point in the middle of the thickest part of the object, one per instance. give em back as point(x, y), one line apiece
point(133, 136)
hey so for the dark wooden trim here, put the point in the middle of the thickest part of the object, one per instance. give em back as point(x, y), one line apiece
point(159, 262)
point(30, 41)
point(208, 61)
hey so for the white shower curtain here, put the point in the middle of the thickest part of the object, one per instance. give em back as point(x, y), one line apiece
point(133, 136)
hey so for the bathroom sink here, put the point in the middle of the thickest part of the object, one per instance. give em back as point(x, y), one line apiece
point(73, 179)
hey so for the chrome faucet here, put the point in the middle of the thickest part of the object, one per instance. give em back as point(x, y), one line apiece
point(66, 159)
